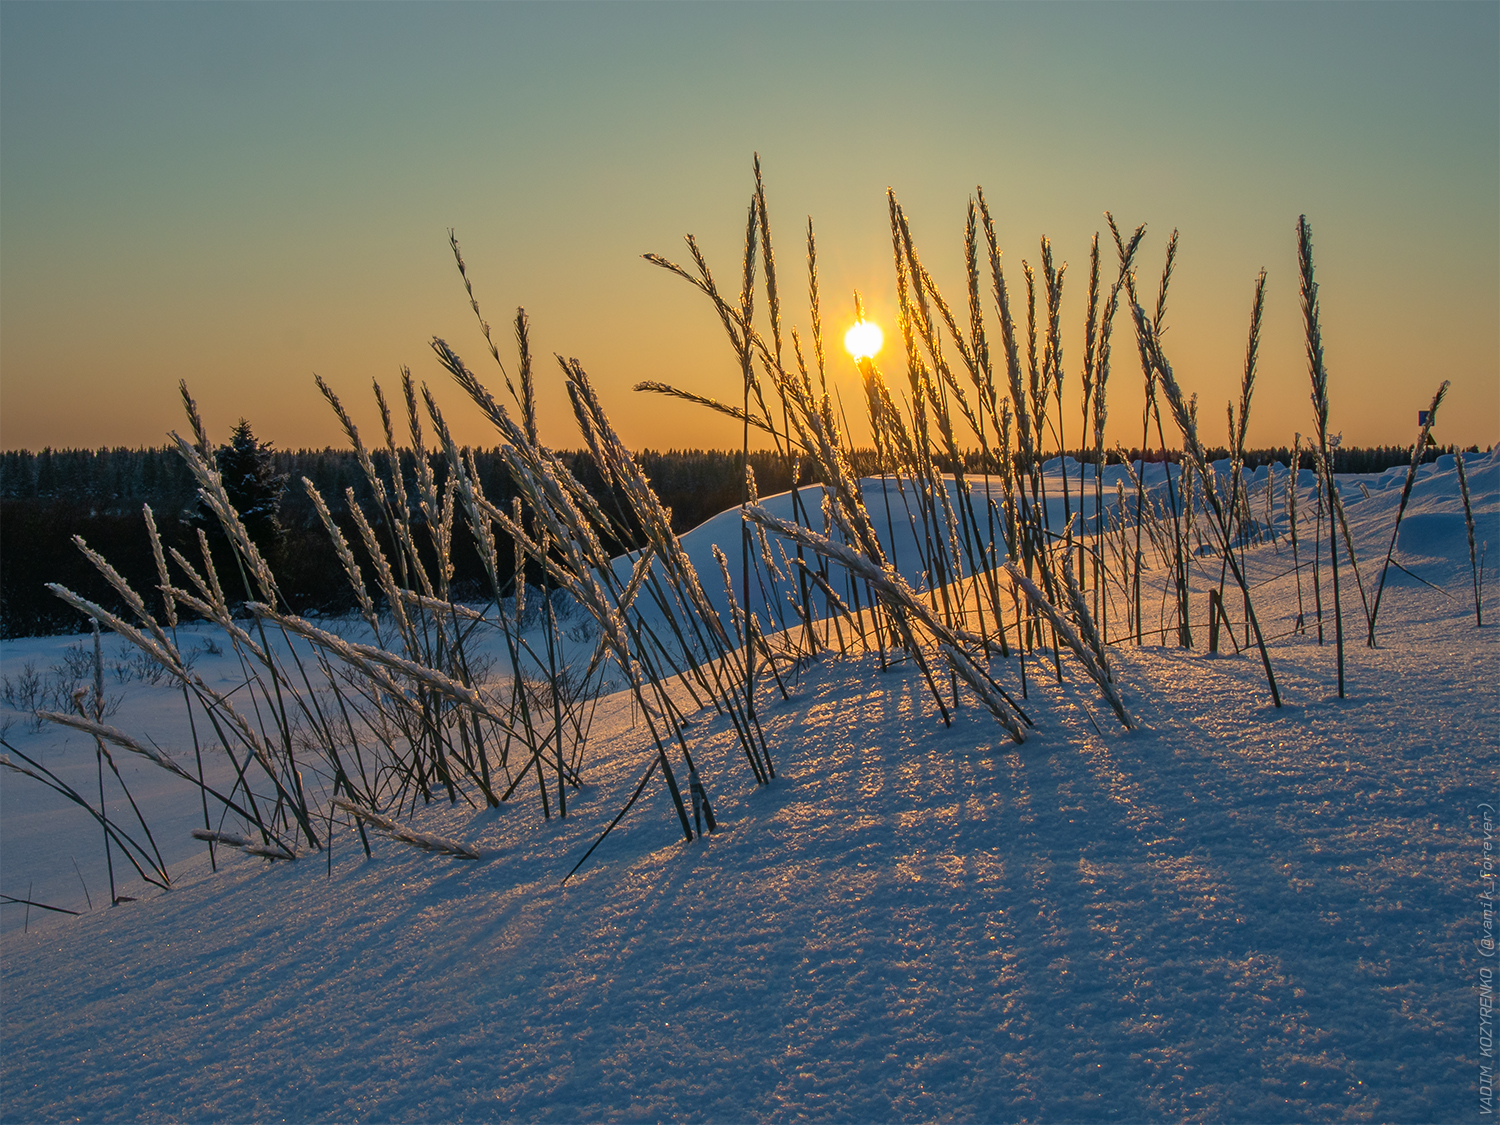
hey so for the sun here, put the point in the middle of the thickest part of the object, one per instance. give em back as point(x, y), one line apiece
point(863, 339)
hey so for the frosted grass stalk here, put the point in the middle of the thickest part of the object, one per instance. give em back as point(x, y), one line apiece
point(1463, 488)
point(1418, 449)
point(1319, 376)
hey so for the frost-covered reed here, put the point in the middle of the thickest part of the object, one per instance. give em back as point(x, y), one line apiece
point(1419, 447)
point(1318, 373)
point(1476, 561)
point(356, 725)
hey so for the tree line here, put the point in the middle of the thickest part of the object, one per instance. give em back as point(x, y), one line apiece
point(47, 497)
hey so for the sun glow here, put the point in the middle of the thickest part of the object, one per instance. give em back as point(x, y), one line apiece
point(863, 339)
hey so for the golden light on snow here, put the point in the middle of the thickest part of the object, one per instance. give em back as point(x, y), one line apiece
point(863, 339)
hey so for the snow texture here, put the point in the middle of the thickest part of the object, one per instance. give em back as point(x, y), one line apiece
point(1235, 913)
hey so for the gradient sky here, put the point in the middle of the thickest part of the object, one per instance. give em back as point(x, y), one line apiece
point(243, 195)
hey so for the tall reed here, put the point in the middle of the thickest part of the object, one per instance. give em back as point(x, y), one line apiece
point(1290, 506)
point(1475, 566)
point(1187, 425)
point(402, 714)
point(1419, 447)
point(1319, 375)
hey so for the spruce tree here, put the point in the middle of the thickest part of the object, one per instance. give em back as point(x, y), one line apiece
point(254, 487)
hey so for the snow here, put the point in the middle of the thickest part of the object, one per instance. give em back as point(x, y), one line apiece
point(1238, 912)
point(896, 516)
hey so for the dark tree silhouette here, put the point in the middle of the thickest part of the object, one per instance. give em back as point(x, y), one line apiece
point(248, 469)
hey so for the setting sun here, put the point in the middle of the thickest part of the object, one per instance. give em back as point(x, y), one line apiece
point(863, 339)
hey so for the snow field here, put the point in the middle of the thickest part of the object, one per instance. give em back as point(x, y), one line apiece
point(1238, 913)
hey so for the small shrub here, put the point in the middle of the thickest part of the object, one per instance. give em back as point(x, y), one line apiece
point(121, 666)
point(62, 684)
point(77, 662)
point(24, 692)
point(148, 670)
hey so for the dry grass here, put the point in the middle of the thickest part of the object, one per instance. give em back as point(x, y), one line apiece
point(330, 728)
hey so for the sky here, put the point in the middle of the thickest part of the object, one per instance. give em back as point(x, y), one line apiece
point(243, 195)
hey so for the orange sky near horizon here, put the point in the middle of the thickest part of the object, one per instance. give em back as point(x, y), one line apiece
point(245, 195)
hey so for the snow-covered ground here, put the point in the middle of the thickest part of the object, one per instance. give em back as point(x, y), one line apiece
point(1240, 912)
